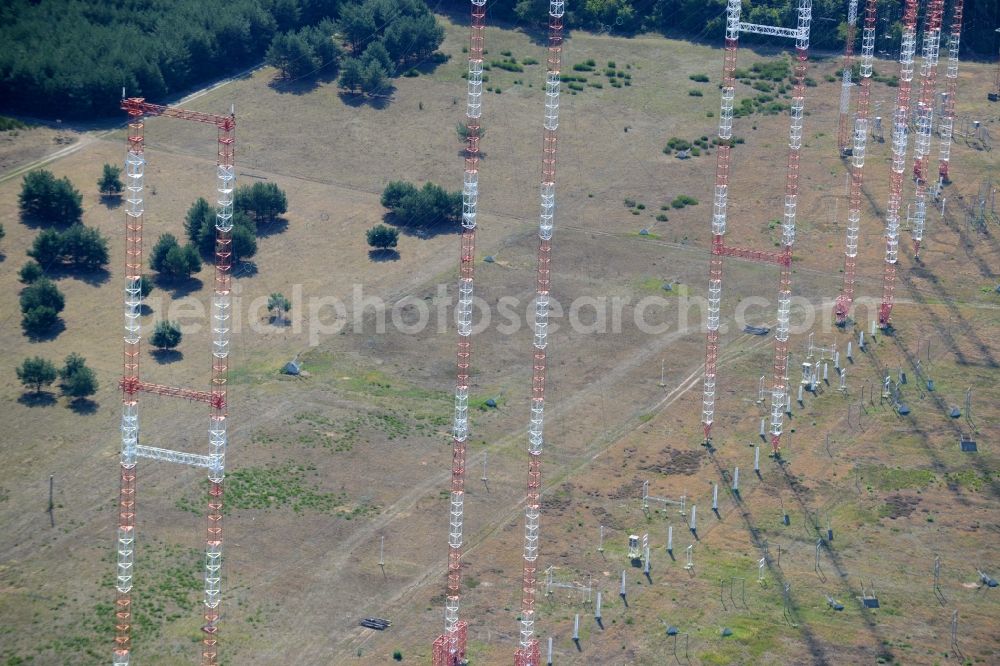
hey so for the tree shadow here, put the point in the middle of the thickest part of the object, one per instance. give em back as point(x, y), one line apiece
point(301, 86)
point(49, 334)
point(245, 269)
point(112, 201)
point(482, 155)
point(83, 406)
point(377, 102)
point(383, 255)
point(279, 322)
point(34, 222)
point(95, 277)
point(145, 310)
point(427, 65)
point(422, 230)
point(278, 225)
point(40, 399)
point(166, 356)
point(178, 287)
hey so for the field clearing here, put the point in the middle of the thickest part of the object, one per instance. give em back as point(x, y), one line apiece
point(321, 467)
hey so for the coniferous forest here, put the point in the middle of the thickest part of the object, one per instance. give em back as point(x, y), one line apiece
point(71, 58)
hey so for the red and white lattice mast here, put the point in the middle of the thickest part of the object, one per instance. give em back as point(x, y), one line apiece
point(900, 138)
point(448, 649)
point(528, 653)
point(947, 125)
point(857, 153)
point(843, 130)
point(719, 249)
point(925, 117)
point(132, 385)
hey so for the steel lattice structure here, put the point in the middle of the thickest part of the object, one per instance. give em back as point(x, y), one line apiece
point(947, 125)
point(528, 652)
point(719, 250)
point(857, 154)
point(925, 117)
point(131, 384)
point(847, 73)
point(448, 649)
point(900, 138)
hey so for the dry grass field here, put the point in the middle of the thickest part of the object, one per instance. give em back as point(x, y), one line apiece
point(321, 467)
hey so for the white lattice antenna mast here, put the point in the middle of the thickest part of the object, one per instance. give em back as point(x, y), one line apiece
point(847, 73)
point(846, 297)
point(448, 649)
point(947, 125)
point(925, 117)
point(528, 652)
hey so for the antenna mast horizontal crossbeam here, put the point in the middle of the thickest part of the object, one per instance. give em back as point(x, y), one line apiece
point(168, 455)
point(130, 385)
point(139, 107)
point(772, 30)
point(762, 256)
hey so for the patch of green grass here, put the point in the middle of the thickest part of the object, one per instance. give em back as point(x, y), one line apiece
point(887, 478)
point(969, 479)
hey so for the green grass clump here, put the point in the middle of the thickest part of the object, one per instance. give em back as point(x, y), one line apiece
point(699, 78)
point(683, 200)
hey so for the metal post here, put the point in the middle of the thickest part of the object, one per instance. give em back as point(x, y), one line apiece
point(694, 518)
point(600, 545)
point(760, 569)
point(763, 430)
point(597, 608)
point(850, 354)
point(826, 369)
point(690, 557)
point(645, 563)
point(736, 480)
point(801, 395)
point(576, 627)
point(715, 497)
point(756, 459)
point(621, 592)
point(670, 539)
point(549, 660)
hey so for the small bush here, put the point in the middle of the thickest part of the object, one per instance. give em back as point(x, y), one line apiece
point(699, 78)
point(611, 64)
point(684, 200)
point(630, 203)
point(583, 67)
point(695, 93)
point(505, 53)
point(166, 335)
point(507, 65)
point(810, 82)
point(661, 218)
point(397, 655)
point(529, 61)
point(575, 86)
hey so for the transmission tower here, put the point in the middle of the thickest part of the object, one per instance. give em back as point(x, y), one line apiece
point(448, 649)
point(131, 384)
point(843, 131)
point(900, 137)
point(861, 120)
point(528, 653)
point(947, 124)
point(719, 250)
point(925, 117)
